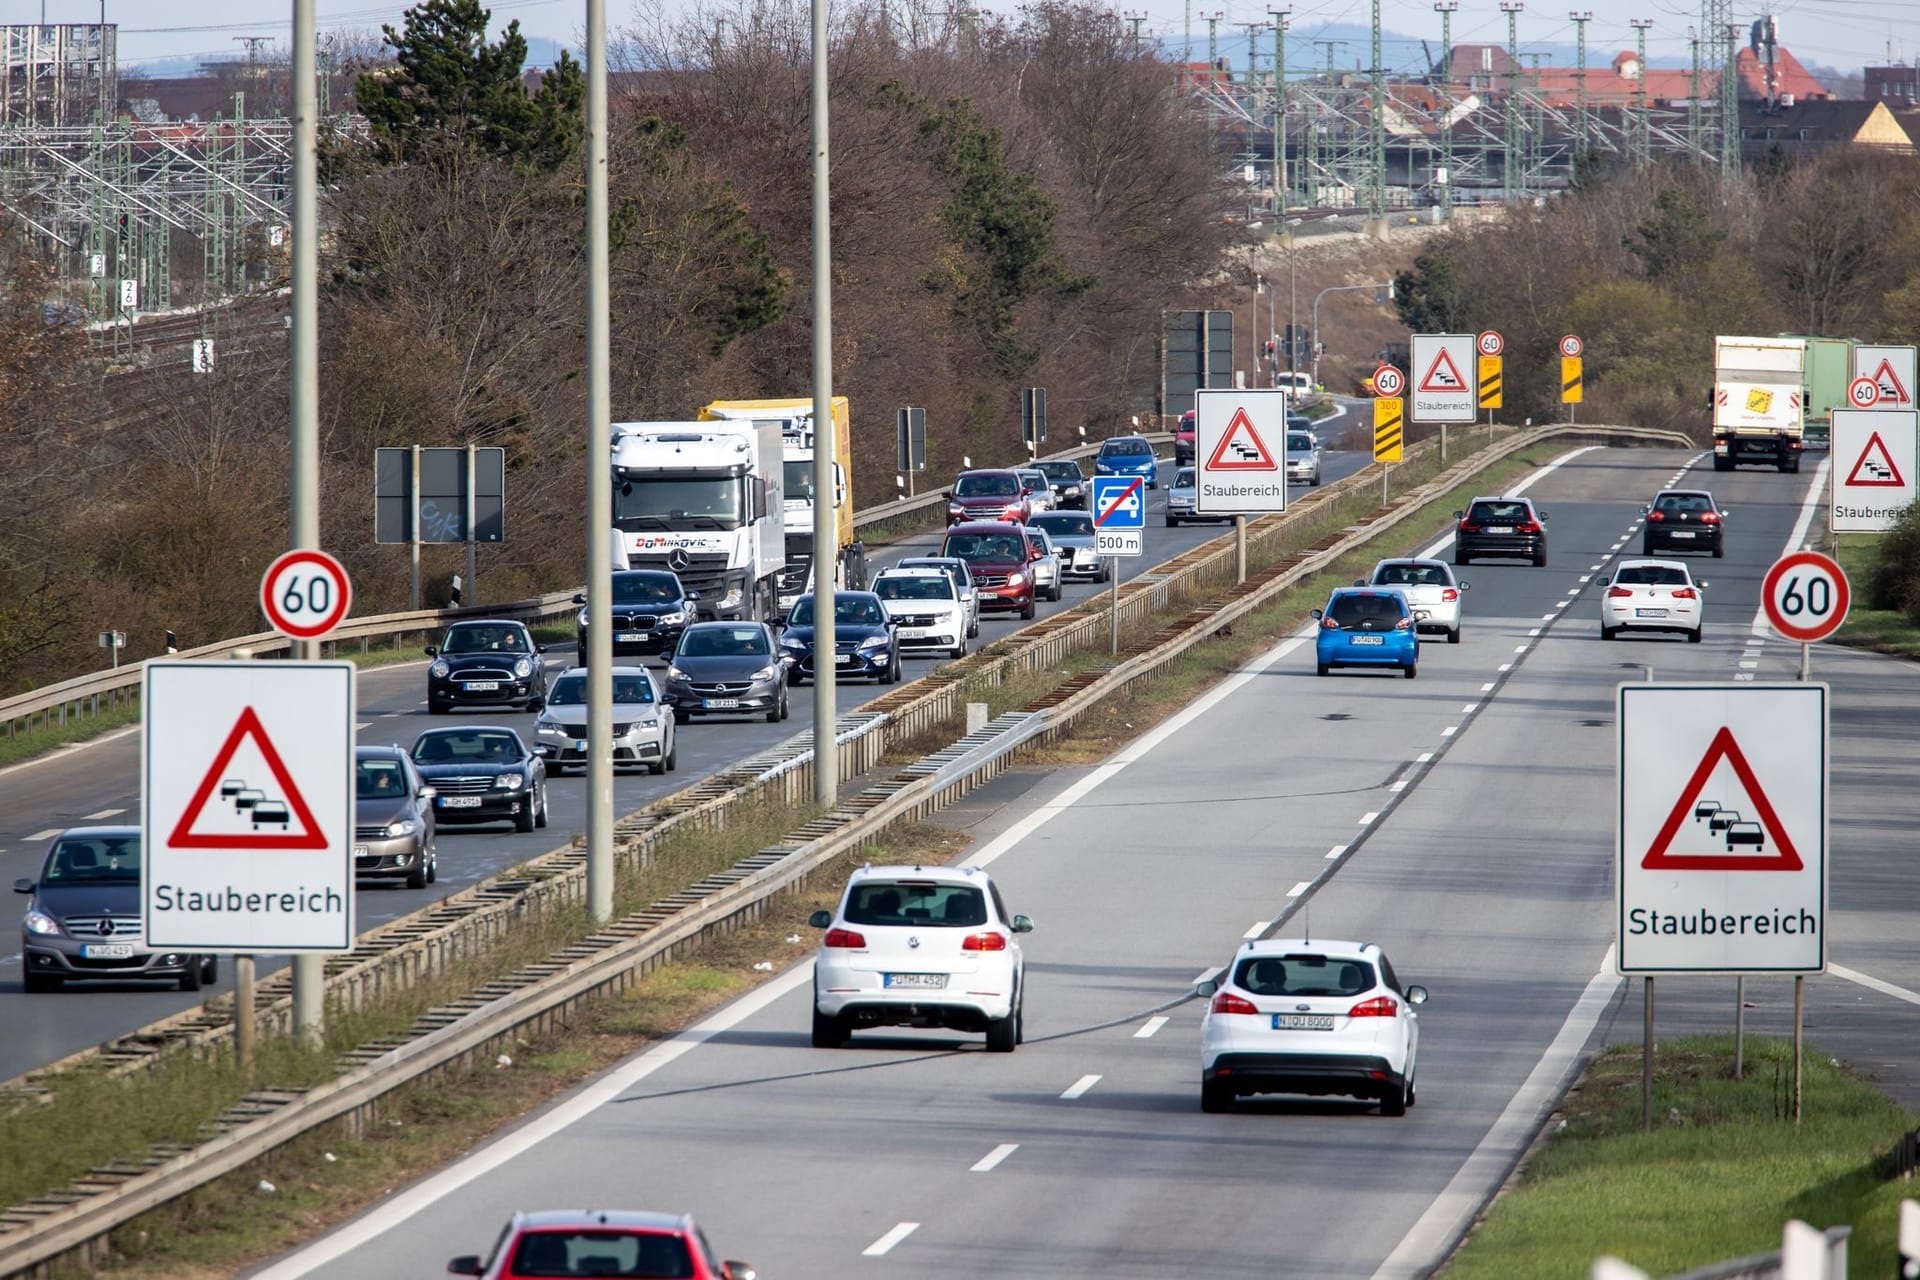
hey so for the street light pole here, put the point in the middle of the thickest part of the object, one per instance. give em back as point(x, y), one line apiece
point(1293, 309)
point(1338, 288)
point(826, 761)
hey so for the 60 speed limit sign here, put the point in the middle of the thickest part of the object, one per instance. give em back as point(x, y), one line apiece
point(1805, 596)
point(305, 593)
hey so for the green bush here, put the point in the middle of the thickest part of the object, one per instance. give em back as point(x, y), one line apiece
point(1894, 580)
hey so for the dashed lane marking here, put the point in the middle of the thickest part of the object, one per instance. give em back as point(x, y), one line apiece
point(987, 1163)
point(880, 1247)
point(1079, 1087)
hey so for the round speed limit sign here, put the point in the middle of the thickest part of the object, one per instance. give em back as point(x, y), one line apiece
point(305, 594)
point(1492, 343)
point(1388, 382)
point(1571, 346)
point(1805, 596)
point(1863, 393)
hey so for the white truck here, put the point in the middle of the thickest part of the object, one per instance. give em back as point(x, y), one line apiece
point(704, 500)
point(1759, 401)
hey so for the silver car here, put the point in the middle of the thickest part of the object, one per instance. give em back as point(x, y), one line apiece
point(1072, 532)
point(1431, 591)
point(1303, 458)
point(1035, 479)
point(393, 826)
point(962, 574)
point(1045, 564)
point(642, 723)
point(1183, 498)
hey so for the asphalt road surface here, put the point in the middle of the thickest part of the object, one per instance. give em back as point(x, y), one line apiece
point(1463, 820)
point(99, 782)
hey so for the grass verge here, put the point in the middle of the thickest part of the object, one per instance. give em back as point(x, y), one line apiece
point(25, 744)
point(1716, 1179)
point(1876, 630)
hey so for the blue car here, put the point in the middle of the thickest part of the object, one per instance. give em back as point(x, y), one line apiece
point(864, 640)
point(1363, 628)
point(1128, 456)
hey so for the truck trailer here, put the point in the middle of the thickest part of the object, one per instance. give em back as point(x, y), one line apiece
point(1759, 401)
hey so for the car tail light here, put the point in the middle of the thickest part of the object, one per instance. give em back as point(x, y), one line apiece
point(844, 938)
point(1711, 517)
point(1405, 624)
point(1686, 593)
point(1618, 593)
point(988, 941)
point(1329, 624)
point(1449, 595)
point(1467, 526)
point(1654, 517)
point(1227, 1002)
point(1378, 1007)
point(1531, 526)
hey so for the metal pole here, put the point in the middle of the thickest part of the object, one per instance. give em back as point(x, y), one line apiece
point(1282, 188)
point(1806, 660)
point(826, 762)
point(1646, 1057)
point(1239, 549)
point(1113, 613)
point(1799, 1025)
point(309, 971)
point(1443, 444)
point(599, 486)
point(243, 1014)
point(413, 535)
point(472, 594)
point(1739, 1028)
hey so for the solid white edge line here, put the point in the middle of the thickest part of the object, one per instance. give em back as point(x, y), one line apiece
point(1874, 984)
point(887, 1241)
point(1795, 540)
point(1079, 1087)
point(64, 750)
point(1259, 927)
point(1427, 1242)
point(986, 1163)
point(1151, 1025)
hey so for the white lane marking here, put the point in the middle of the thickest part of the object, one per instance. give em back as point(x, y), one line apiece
point(1546, 617)
point(1743, 675)
point(1259, 927)
point(884, 1243)
point(1755, 642)
point(1080, 1087)
point(1595, 568)
point(1616, 546)
point(1339, 849)
point(1487, 687)
point(1469, 709)
point(1749, 666)
point(1505, 666)
point(1522, 648)
point(67, 749)
point(1425, 756)
point(1586, 577)
point(1480, 1175)
point(1816, 493)
point(103, 814)
point(1398, 786)
point(987, 1162)
point(1438, 544)
point(1300, 888)
point(1203, 976)
point(1450, 730)
point(48, 834)
point(1366, 818)
point(1534, 632)
point(1563, 604)
point(1874, 984)
point(1152, 1025)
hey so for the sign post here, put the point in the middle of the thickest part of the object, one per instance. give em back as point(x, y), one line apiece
point(1119, 505)
point(1891, 371)
point(305, 594)
point(1876, 462)
point(910, 429)
point(1239, 444)
point(1806, 598)
point(1441, 372)
point(1572, 374)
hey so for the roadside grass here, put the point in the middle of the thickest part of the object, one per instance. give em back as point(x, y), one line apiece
point(25, 744)
point(1719, 1175)
point(1877, 630)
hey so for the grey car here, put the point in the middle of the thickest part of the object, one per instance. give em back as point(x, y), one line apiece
point(1183, 498)
point(1072, 532)
point(642, 723)
point(83, 917)
point(1303, 458)
point(393, 834)
point(727, 669)
point(962, 574)
point(1068, 481)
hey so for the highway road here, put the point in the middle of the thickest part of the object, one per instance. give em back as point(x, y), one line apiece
point(1463, 820)
point(99, 782)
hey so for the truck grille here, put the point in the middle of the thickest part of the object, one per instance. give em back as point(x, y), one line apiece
point(705, 571)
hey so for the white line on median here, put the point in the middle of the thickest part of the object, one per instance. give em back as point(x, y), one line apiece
point(1486, 688)
point(1080, 1086)
point(1546, 617)
point(1300, 888)
point(987, 1162)
point(1259, 927)
point(1397, 787)
point(1469, 709)
point(1152, 1025)
point(1450, 730)
point(887, 1241)
point(1874, 984)
point(1367, 818)
point(1426, 756)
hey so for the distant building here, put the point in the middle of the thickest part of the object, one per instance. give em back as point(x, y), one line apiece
point(1485, 70)
point(1808, 127)
point(1898, 87)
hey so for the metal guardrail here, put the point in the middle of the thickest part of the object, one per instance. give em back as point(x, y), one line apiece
point(68, 1222)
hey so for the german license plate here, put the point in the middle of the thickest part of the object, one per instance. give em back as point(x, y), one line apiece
point(482, 686)
point(1369, 639)
point(631, 637)
point(459, 802)
point(842, 659)
point(1649, 613)
point(914, 633)
point(361, 851)
point(1683, 533)
point(915, 981)
point(722, 704)
point(1499, 528)
point(107, 950)
point(1303, 1022)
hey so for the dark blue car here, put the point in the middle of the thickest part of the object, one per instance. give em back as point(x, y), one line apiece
point(1128, 456)
point(864, 642)
point(1367, 628)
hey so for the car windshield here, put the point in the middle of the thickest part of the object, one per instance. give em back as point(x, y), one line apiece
point(798, 479)
point(858, 611)
point(723, 642)
point(1370, 612)
point(931, 586)
point(987, 485)
point(665, 502)
point(1037, 540)
point(94, 860)
point(1675, 504)
point(1304, 975)
point(1410, 575)
point(645, 588)
point(1500, 513)
point(1067, 472)
point(1651, 575)
point(601, 1253)
point(917, 902)
point(1131, 448)
point(1299, 442)
point(485, 637)
point(467, 746)
point(985, 546)
point(571, 689)
point(379, 778)
point(1183, 478)
point(1034, 479)
point(1065, 524)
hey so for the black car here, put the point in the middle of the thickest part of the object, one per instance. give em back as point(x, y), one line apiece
point(392, 818)
point(864, 642)
point(482, 773)
point(83, 919)
point(1068, 483)
point(489, 663)
point(650, 610)
point(727, 669)
point(1684, 520)
point(1500, 527)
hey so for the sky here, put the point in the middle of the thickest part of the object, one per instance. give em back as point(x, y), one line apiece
point(1842, 34)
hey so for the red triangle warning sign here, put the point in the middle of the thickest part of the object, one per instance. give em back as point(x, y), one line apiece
point(1242, 449)
point(1731, 828)
point(1891, 390)
point(1876, 468)
point(261, 804)
point(1443, 375)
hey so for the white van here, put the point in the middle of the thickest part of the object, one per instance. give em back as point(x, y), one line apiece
point(1299, 382)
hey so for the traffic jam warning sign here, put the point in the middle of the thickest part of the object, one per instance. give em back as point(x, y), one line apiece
point(1891, 370)
point(1441, 391)
point(1722, 837)
point(247, 801)
point(1235, 434)
point(1876, 454)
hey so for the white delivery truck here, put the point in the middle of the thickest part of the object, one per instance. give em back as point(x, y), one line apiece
point(1759, 401)
point(704, 500)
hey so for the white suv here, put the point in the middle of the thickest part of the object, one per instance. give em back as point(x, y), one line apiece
point(927, 607)
point(1297, 1016)
point(919, 947)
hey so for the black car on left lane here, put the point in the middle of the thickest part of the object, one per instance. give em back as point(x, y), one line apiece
point(865, 639)
point(489, 662)
point(649, 609)
point(83, 917)
point(482, 773)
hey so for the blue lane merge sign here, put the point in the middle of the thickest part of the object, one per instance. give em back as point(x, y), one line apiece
point(1119, 502)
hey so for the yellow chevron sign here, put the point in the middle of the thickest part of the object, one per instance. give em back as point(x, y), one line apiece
point(1388, 416)
point(1490, 381)
point(1571, 380)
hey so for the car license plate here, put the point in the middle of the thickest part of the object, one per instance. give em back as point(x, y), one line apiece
point(361, 851)
point(1369, 639)
point(1499, 528)
point(631, 637)
point(107, 950)
point(459, 802)
point(842, 659)
point(482, 686)
point(579, 744)
point(1649, 613)
point(1683, 533)
point(914, 633)
point(921, 981)
point(1303, 1022)
point(722, 704)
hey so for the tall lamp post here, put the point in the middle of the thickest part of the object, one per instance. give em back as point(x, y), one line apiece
point(1338, 288)
point(1293, 281)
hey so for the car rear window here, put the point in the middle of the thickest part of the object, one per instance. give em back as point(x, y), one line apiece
point(1304, 975)
point(601, 1253)
point(1651, 575)
point(921, 902)
point(1501, 513)
point(1367, 612)
point(1410, 575)
point(1673, 504)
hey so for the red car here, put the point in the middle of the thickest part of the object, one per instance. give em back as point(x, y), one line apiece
point(597, 1242)
point(990, 494)
point(998, 555)
point(1183, 441)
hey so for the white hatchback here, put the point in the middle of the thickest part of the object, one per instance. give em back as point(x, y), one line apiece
point(926, 609)
point(1652, 595)
point(1431, 590)
point(920, 947)
point(1316, 1017)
